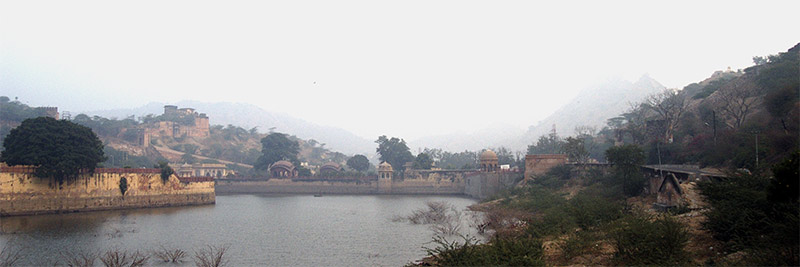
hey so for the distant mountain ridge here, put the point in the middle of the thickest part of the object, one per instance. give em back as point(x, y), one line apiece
point(495, 136)
point(248, 116)
point(593, 106)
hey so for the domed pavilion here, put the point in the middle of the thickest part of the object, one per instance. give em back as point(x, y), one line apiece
point(488, 161)
point(282, 169)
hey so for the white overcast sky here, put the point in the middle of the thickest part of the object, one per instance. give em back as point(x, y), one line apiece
point(401, 68)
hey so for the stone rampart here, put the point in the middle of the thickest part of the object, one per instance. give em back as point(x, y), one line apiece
point(540, 163)
point(484, 185)
point(288, 186)
point(427, 187)
point(341, 186)
point(22, 194)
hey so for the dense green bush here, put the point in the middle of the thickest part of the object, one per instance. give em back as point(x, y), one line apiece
point(522, 251)
point(579, 243)
point(563, 172)
point(537, 199)
point(166, 170)
point(553, 221)
point(549, 181)
point(758, 215)
point(592, 209)
point(785, 186)
point(642, 240)
point(123, 185)
point(738, 209)
point(626, 172)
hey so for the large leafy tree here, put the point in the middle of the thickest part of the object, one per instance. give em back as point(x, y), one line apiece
point(395, 151)
point(423, 162)
point(276, 147)
point(448, 160)
point(575, 149)
point(358, 163)
point(60, 149)
point(550, 144)
point(626, 173)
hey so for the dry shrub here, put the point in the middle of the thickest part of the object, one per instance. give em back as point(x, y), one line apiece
point(211, 256)
point(506, 222)
point(81, 259)
point(117, 258)
point(479, 220)
point(10, 254)
point(436, 212)
point(450, 224)
point(170, 255)
point(443, 218)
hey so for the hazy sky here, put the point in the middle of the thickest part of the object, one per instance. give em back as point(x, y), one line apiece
point(402, 68)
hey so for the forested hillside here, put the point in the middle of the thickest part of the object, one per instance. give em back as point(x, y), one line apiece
point(12, 113)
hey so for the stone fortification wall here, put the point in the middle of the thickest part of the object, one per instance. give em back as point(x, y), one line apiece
point(21, 193)
point(427, 187)
point(288, 186)
point(539, 164)
point(484, 185)
point(308, 186)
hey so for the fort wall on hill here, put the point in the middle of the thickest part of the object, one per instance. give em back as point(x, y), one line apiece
point(21, 193)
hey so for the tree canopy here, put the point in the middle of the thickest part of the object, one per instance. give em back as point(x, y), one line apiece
point(575, 149)
point(448, 160)
point(626, 173)
point(60, 149)
point(358, 162)
point(276, 147)
point(423, 162)
point(395, 151)
point(550, 144)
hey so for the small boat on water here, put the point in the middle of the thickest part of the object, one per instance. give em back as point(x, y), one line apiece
point(317, 195)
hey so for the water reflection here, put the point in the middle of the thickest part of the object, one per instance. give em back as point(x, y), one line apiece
point(259, 229)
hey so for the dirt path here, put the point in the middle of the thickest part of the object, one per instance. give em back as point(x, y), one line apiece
point(167, 150)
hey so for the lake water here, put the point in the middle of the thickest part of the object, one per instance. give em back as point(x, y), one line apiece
point(287, 230)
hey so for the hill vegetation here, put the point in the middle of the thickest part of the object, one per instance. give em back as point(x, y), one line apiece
point(12, 113)
point(745, 121)
point(249, 116)
point(120, 141)
point(734, 119)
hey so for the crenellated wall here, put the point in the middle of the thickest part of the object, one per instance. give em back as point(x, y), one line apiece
point(21, 193)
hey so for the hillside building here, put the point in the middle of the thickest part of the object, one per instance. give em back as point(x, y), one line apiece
point(191, 124)
point(202, 170)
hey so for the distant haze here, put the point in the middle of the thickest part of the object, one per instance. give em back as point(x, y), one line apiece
point(411, 69)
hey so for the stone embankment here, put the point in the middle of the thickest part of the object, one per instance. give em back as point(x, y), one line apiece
point(320, 186)
point(21, 193)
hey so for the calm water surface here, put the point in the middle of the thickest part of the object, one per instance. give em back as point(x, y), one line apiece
point(291, 230)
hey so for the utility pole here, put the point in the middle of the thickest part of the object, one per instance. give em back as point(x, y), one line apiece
point(756, 150)
point(660, 169)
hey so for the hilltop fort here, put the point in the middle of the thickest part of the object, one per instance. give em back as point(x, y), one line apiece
point(176, 122)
